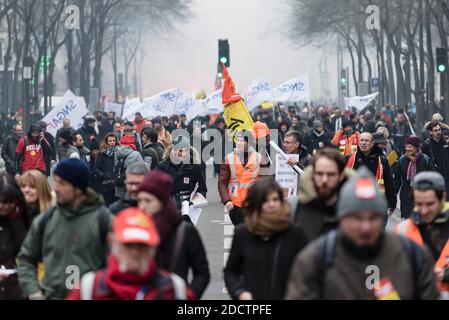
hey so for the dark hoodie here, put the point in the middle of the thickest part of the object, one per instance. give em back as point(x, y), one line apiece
point(371, 162)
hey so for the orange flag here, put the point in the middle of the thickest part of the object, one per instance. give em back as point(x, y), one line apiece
point(229, 94)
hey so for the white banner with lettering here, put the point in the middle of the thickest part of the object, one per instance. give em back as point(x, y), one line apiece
point(130, 107)
point(286, 177)
point(259, 91)
point(360, 102)
point(70, 107)
point(296, 90)
point(113, 107)
point(213, 103)
point(162, 104)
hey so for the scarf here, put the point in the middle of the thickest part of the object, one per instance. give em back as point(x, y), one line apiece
point(111, 152)
point(167, 220)
point(126, 285)
point(411, 169)
point(318, 134)
point(268, 224)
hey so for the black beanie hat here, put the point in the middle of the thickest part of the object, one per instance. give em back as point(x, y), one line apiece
point(75, 172)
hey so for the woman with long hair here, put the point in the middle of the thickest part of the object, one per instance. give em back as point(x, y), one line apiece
point(14, 224)
point(37, 192)
point(104, 167)
point(264, 246)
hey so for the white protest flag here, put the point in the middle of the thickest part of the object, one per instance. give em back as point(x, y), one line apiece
point(186, 101)
point(130, 107)
point(360, 102)
point(213, 103)
point(198, 109)
point(161, 104)
point(70, 107)
point(294, 90)
point(259, 91)
point(113, 107)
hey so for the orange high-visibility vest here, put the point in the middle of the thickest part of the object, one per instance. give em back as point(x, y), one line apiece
point(242, 177)
point(409, 229)
point(346, 145)
point(379, 173)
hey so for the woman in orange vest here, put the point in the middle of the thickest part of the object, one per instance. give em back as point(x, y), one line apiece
point(237, 174)
point(346, 139)
point(430, 225)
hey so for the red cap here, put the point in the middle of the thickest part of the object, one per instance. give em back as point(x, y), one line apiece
point(260, 130)
point(134, 226)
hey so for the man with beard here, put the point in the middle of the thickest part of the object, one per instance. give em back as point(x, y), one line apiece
point(337, 266)
point(346, 139)
point(315, 207)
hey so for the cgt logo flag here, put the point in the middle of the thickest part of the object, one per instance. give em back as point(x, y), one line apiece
point(236, 114)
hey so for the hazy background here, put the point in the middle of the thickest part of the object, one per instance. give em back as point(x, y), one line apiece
point(256, 29)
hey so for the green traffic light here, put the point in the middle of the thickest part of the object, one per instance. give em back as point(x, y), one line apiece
point(343, 80)
point(224, 60)
point(441, 68)
point(220, 75)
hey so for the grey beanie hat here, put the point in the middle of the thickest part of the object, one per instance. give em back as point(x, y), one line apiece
point(361, 193)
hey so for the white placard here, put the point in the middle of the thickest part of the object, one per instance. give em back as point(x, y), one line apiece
point(259, 91)
point(286, 176)
point(130, 107)
point(113, 107)
point(296, 90)
point(213, 103)
point(70, 107)
point(360, 102)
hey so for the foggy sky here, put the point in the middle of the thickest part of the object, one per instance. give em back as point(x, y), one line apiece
point(188, 56)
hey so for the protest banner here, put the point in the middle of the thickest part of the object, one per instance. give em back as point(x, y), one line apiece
point(294, 90)
point(259, 91)
point(286, 177)
point(213, 103)
point(360, 102)
point(113, 107)
point(70, 107)
point(130, 107)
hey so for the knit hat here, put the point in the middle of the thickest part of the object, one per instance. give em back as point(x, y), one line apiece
point(429, 180)
point(413, 140)
point(181, 143)
point(260, 130)
point(317, 124)
point(361, 193)
point(66, 134)
point(128, 141)
point(346, 123)
point(75, 172)
point(379, 138)
point(159, 184)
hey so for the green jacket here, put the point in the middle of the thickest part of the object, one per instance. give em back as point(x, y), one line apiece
point(71, 239)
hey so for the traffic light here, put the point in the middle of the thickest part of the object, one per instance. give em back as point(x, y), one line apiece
point(344, 80)
point(45, 62)
point(224, 52)
point(219, 70)
point(442, 60)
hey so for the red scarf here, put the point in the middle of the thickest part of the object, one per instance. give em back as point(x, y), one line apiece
point(125, 285)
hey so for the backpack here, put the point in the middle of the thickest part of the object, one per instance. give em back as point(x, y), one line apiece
point(120, 172)
point(102, 220)
point(325, 256)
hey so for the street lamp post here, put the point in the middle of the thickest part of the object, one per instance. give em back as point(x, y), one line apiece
point(27, 75)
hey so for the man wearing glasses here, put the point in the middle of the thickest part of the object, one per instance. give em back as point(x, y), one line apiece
point(437, 148)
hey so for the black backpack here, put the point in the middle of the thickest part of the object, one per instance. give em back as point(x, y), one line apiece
point(325, 256)
point(120, 172)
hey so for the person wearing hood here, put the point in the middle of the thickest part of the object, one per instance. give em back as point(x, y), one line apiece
point(182, 163)
point(409, 165)
point(372, 157)
point(346, 139)
point(315, 207)
point(32, 153)
point(264, 247)
point(293, 145)
point(125, 155)
point(73, 233)
point(181, 250)
point(9, 148)
point(340, 264)
point(317, 138)
point(239, 171)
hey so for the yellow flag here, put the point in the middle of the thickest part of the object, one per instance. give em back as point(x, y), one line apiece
point(267, 105)
point(237, 117)
point(392, 158)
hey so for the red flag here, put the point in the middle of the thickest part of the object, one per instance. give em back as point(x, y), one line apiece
point(229, 94)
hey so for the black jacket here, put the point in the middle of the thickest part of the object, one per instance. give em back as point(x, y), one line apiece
point(51, 141)
point(439, 152)
point(122, 204)
point(399, 133)
point(150, 156)
point(192, 256)
point(371, 162)
point(185, 177)
point(313, 141)
point(12, 234)
point(262, 265)
point(9, 153)
point(88, 134)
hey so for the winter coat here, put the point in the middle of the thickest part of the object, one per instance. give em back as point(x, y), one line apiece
point(402, 185)
point(12, 234)
point(346, 277)
point(399, 133)
point(70, 238)
point(122, 204)
point(371, 162)
point(150, 156)
point(104, 167)
point(314, 215)
point(9, 152)
point(315, 142)
point(130, 157)
point(74, 152)
point(185, 177)
point(439, 152)
point(88, 134)
point(192, 257)
point(262, 265)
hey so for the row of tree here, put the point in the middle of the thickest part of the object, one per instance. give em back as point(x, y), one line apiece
point(404, 44)
point(97, 30)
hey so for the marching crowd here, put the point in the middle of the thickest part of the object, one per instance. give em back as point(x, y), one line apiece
point(109, 223)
